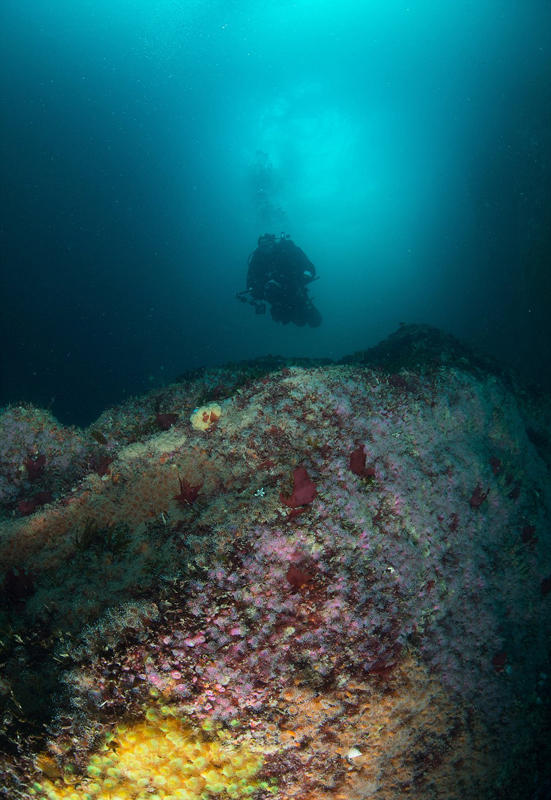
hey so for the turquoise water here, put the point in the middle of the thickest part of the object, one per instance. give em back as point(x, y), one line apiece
point(405, 146)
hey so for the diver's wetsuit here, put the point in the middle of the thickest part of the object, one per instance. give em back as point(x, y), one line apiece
point(279, 273)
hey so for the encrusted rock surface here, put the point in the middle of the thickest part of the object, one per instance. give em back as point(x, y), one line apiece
point(350, 572)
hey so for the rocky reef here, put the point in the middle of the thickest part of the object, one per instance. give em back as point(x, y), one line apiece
point(337, 587)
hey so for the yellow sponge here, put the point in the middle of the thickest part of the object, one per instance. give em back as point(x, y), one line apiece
point(205, 417)
point(159, 758)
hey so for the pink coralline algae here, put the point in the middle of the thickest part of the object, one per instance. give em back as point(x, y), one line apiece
point(374, 639)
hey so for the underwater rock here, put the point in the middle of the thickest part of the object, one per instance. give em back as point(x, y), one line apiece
point(383, 635)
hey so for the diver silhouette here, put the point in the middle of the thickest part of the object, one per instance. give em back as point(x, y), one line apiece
point(279, 273)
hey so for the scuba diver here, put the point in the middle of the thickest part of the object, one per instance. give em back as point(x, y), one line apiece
point(279, 273)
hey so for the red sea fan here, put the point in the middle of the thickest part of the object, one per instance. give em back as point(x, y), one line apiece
point(357, 464)
point(304, 489)
point(187, 494)
point(34, 465)
point(478, 496)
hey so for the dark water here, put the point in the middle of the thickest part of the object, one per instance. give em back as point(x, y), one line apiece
point(405, 146)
